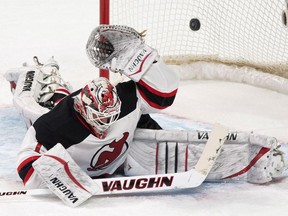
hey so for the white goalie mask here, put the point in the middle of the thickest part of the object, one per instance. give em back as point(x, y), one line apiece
point(99, 104)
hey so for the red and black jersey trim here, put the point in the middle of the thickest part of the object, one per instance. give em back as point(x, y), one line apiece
point(25, 169)
point(155, 98)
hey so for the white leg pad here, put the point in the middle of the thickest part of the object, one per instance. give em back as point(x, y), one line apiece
point(244, 156)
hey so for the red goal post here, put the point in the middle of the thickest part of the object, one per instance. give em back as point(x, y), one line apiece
point(235, 32)
point(104, 19)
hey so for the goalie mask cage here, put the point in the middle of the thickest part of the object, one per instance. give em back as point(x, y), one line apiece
point(250, 33)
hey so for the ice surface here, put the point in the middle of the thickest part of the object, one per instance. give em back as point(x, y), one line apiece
point(60, 29)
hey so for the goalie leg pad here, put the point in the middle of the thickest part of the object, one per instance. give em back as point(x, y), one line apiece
point(244, 156)
point(64, 177)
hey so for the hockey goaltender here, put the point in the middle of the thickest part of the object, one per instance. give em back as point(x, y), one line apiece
point(75, 137)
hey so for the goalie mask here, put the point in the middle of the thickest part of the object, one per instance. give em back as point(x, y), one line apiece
point(99, 104)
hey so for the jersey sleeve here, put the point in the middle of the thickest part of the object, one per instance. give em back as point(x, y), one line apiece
point(30, 151)
point(157, 88)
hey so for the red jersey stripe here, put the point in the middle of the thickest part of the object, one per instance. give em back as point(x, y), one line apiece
point(156, 92)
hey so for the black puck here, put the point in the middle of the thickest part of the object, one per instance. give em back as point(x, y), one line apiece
point(284, 17)
point(195, 24)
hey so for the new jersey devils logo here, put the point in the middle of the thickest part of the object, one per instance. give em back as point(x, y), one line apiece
point(109, 153)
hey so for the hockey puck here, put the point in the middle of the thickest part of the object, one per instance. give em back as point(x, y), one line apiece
point(195, 24)
point(284, 17)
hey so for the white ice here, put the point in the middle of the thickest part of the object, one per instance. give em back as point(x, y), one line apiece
point(60, 29)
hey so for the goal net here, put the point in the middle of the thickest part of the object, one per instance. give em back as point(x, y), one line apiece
point(230, 35)
point(239, 32)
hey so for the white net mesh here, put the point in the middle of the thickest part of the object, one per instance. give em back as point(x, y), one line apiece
point(242, 32)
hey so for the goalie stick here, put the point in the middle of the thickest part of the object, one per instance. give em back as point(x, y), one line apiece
point(148, 183)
